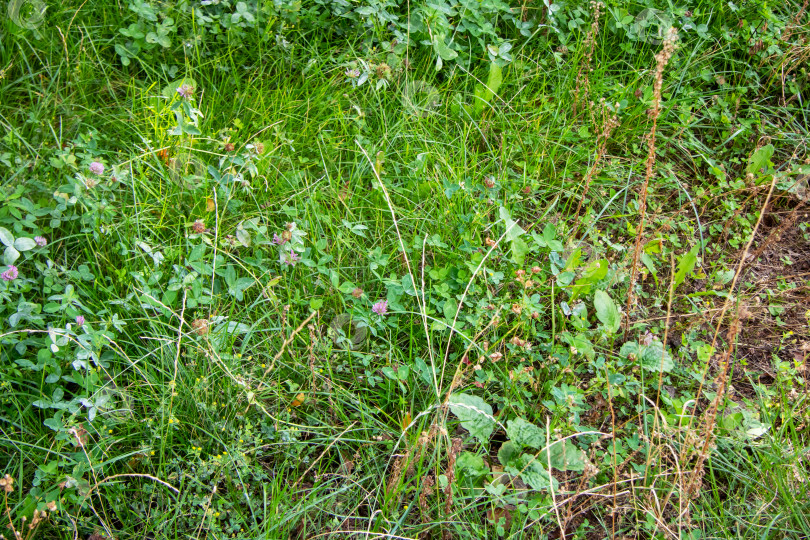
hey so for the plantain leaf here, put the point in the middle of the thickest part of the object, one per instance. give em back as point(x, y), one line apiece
point(533, 473)
point(607, 312)
point(475, 415)
point(564, 456)
point(525, 433)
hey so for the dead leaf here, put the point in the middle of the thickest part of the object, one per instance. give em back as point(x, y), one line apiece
point(494, 515)
point(299, 400)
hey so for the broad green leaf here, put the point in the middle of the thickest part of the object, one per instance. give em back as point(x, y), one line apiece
point(494, 79)
point(548, 239)
point(593, 273)
point(471, 470)
point(533, 472)
point(6, 237)
point(403, 372)
point(513, 230)
point(704, 352)
point(565, 456)
point(607, 312)
point(565, 278)
point(759, 159)
point(574, 259)
point(655, 358)
point(653, 246)
point(471, 466)
point(10, 255)
point(347, 287)
point(519, 251)
point(55, 422)
point(475, 415)
point(444, 52)
point(450, 308)
point(407, 285)
point(630, 348)
point(483, 93)
point(525, 433)
point(732, 421)
point(648, 262)
point(508, 453)
point(334, 278)
point(581, 343)
point(549, 233)
point(425, 372)
point(579, 318)
point(652, 357)
point(685, 265)
point(243, 236)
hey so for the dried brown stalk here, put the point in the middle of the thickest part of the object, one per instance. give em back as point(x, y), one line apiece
point(661, 61)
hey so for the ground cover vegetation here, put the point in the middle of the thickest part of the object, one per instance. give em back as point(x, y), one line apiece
point(382, 269)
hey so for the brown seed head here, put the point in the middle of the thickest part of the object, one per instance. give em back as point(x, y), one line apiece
point(7, 483)
point(383, 71)
point(200, 326)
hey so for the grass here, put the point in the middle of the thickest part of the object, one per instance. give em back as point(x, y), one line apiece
point(208, 395)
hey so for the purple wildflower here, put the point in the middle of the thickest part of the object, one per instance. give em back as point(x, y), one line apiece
point(186, 91)
point(40, 240)
point(10, 274)
point(79, 320)
point(380, 308)
point(96, 168)
point(277, 240)
point(289, 259)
